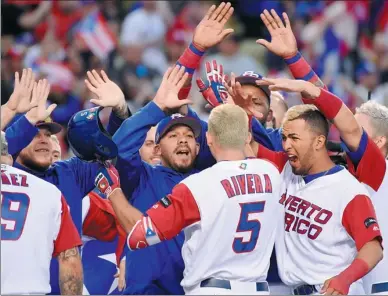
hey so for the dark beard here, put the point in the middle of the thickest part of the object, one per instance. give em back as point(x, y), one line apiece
point(30, 164)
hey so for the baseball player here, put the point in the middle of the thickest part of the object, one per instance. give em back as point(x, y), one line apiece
point(35, 226)
point(373, 118)
point(327, 211)
point(226, 212)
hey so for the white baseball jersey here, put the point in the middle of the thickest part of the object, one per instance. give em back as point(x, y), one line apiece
point(327, 219)
point(35, 226)
point(380, 201)
point(229, 213)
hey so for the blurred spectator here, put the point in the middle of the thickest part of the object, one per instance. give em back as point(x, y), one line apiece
point(145, 29)
point(232, 59)
point(279, 108)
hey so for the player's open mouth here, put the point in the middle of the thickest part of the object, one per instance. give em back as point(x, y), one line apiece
point(183, 152)
point(42, 150)
point(292, 158)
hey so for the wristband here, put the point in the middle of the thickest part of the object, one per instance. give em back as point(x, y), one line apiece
point(327, 103)
point(184, 92)
point(299, 67)
point(190, 59)
point(355, 271)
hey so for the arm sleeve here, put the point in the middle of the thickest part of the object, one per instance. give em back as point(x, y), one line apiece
point(85, 173)
point(261, 136)
point(356, 156)
point(101, 223)
point(372, 166)
point(68, 236)
point(175, 212)
point(300, 69)
point(359, 220)
point(115, 122)
point(129, 138)
point(279, 159)
point(19, 135)
point(204, 159)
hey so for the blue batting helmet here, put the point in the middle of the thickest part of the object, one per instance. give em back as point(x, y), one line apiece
point(88, 138)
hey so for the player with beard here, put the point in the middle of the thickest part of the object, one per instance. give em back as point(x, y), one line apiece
point(182, 149)
point(32, 149)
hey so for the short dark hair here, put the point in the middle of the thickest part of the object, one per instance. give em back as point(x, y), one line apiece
point(309, 113)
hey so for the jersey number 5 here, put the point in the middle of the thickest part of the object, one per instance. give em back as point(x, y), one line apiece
point(248, 225)
point(14, 209)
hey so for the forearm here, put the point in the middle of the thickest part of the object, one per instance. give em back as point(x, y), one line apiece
point(70, 272)
point(300, 69)
point(371, 253)
point(6, 116)
point(31, 19)
point(126, 214)
point(190, 59)
point(19, 135)
point(335, 110)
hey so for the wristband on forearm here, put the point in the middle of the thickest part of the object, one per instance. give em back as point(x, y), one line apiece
point(327, 103)
point(300, 69)
point(184, 92)
point(354, 272)
point(191, 58)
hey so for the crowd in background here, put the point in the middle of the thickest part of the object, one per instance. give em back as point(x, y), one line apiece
point(346, 42)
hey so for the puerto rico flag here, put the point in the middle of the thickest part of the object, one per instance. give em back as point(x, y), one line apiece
point(94, 33)
point(99, 265)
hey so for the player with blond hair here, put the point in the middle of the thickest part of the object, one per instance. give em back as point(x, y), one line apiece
point(227, 210)
point(373, 117)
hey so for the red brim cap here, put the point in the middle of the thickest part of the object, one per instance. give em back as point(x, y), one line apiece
point(52, 127)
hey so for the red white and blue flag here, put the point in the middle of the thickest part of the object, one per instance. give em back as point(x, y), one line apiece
point(94, 32)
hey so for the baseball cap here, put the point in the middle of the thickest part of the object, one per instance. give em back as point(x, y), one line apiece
point(249, 78)
point(49, 124)
point(177, 119)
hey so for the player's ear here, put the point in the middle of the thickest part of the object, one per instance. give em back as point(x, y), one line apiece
point(270, 116)
point(380, 141)
point(249, 138)
point(320, 142)
point(209, 139)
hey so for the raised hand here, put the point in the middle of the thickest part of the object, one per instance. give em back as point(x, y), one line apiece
point(21, 100)
point(40, 93)
point(307, 89)
point(283, 42)
point(241, 98)
point(214, 91)
point(211, 30)
point(108, 93)
point(166, 97)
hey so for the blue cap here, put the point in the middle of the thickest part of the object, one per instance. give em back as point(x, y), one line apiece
point(48, 123)
point(177, 119)
point(87, 137)
point(249, 78)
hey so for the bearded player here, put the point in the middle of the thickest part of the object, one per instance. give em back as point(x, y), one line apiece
point(227, 210)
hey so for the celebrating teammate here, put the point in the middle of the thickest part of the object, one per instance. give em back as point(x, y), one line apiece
point(234, 205)
point(35, 226)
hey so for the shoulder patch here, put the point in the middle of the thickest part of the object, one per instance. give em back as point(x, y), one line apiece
point(369, 221)
point(165, 202)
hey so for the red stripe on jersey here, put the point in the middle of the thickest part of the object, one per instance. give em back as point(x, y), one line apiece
point(359, 220)
point(68, 236)
point(101, 223)
point(279, 159)
point(371, 168)
point(181, 212)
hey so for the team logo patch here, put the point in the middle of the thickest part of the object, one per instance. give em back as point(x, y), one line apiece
point(90, 116)
point(165, 202)
point(102, 182)
point(369, 221)
point(243, 166)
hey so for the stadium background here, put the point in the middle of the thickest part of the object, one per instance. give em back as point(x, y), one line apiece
point(346, 42)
